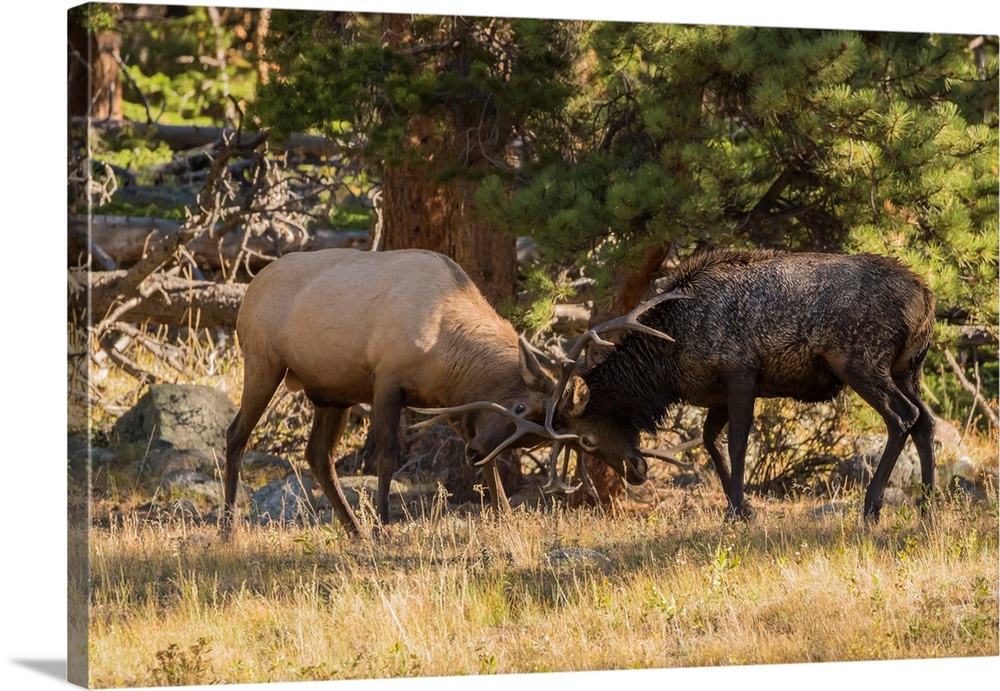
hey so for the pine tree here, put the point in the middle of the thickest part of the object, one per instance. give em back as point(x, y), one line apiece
point(803, 139)
point(428, 105)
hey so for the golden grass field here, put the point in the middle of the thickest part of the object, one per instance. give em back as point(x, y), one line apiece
point(662, 584)
point(669, 585)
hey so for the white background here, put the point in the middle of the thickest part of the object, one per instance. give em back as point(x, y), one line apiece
point(33, 336)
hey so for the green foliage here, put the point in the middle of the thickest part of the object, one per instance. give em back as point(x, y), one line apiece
point(93, 16)
point(133, 153)
point(484, 77)
point(803, 139)
point(174, 62)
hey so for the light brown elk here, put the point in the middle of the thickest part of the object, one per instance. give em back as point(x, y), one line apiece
point(405, 327)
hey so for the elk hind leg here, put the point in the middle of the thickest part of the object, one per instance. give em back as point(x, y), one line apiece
point(899, 415)
point(258, 388)
point(922, 433)
point(328, 426)
point(386, 409)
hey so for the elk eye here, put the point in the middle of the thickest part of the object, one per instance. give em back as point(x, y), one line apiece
point(587, 442)
point(519, 408)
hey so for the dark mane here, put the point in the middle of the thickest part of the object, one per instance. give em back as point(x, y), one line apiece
point(711, 261)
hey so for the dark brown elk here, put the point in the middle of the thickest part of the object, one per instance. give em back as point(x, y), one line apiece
point(762, 324)
point(392, 329)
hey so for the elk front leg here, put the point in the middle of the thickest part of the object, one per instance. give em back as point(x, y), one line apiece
point(259, 384)
point(740, 402)
point(386, 408)
point(715, 421)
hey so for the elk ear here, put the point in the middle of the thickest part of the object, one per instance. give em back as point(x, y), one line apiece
point(536, 368)
point(576, 397)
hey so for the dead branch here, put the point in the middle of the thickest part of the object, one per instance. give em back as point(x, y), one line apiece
point(165, 299)
point(983, 404)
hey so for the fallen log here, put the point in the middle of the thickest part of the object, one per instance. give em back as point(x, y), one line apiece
point(183, 137)
point(124, 240)
point(166, 299)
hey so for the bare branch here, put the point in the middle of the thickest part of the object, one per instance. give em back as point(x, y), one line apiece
point(987, 409)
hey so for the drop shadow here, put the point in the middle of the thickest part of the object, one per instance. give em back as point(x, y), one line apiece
point(55, 668)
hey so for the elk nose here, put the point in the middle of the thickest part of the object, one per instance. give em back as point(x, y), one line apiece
point(472, 453)
point(635, 470)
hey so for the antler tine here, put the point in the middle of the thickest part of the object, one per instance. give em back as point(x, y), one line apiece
point(443, 413)
point(556, 483)
point(522, 426)
point(668, 454)
point(585, 480)
point(631, 319)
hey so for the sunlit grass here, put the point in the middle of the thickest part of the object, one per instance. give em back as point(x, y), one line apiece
point(667, 587)
point(657, 585)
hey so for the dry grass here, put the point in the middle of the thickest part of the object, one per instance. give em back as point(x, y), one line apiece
point(668, 587)
point(451, 594)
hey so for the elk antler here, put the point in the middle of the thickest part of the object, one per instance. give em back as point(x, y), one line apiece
point(523, 426)
point(669, 456)
point(628, 321)
point(557, 481)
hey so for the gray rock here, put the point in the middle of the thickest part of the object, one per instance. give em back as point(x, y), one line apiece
point(79, 450)
point(159, 463)
point(833, 508)
point(284, 501)
point(191, 484)
point(180, 415)
point(181, 509)
point(264, 467)
point(858, 469)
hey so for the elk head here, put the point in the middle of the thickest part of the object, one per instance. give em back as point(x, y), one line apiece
point(492, 426)
point(610, 437)
point(485, 428)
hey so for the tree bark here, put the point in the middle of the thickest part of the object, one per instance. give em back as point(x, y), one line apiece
point(95, 85)
point(420, 213)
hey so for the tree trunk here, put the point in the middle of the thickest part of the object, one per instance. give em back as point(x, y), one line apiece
point(425, 205)
point(420, 213)
point(95, 84)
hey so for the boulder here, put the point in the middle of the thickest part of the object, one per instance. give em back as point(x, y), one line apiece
point(192, 485)
point(184, 416)
point(159, 463)
point(284, 501)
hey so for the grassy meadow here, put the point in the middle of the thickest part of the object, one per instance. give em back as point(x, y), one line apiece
point(668, 585)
